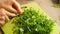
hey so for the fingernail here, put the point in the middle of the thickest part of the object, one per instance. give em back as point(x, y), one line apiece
point(20, 12)
point(14, 14)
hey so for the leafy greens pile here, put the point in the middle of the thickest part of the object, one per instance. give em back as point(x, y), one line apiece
point(32, 22)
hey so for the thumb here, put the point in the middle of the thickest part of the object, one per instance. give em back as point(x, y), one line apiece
point(17, 7)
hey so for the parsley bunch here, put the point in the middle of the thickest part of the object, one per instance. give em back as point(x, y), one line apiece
point(32, 22)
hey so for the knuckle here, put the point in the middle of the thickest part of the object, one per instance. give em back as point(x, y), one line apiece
point(2, 22)
point(2, 18)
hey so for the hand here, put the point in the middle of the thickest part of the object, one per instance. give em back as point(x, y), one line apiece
point(8, 8)
point(11, 5)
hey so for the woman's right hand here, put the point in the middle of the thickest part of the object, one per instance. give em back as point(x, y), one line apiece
point(8, 8)
point(4, 16)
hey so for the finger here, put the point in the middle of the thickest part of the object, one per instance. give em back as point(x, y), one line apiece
point(2, 20)
point(17, 7)
point(10, 8)
point(3, 17)
point(2, 12)
point(10, 14)
point(6, 18)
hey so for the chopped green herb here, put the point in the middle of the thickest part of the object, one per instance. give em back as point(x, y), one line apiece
point(30, 22)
